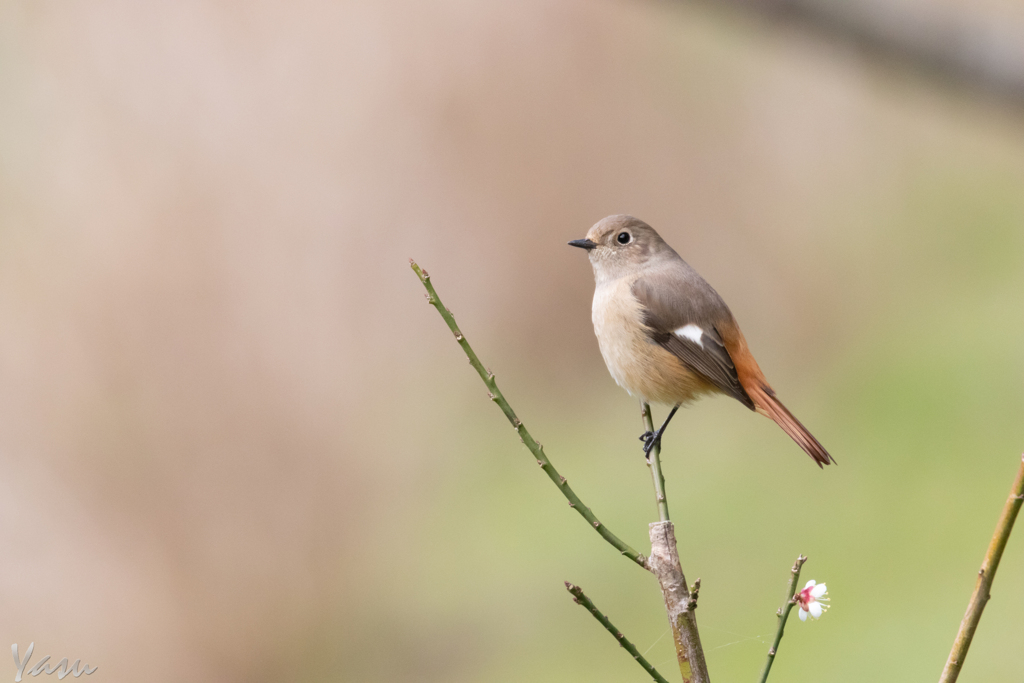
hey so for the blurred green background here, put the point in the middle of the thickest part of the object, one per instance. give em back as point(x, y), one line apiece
point(237, 446)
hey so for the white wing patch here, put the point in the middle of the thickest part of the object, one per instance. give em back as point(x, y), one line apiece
point(691, 332)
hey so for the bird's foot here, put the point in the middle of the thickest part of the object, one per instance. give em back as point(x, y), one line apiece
point(650, 439)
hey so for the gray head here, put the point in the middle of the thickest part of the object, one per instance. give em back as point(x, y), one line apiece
point(618, 245)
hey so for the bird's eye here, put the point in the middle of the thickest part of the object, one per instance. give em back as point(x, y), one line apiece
point(623, 238)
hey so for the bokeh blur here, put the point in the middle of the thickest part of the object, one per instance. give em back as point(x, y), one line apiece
point(237, 445)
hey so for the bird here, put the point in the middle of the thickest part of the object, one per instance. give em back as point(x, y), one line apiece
point(667, 336)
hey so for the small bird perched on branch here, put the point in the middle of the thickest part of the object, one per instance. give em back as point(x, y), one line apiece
point(667, 336)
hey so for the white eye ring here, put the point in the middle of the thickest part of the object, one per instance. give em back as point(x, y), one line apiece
point(624, 238)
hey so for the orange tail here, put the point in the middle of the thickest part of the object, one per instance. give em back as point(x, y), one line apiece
point(760, 392)
point(764, 398)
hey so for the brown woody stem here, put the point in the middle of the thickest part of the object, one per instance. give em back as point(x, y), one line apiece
point(985, 577)
point(680, 604)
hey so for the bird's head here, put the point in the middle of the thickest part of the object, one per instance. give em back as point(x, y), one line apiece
point(618, 245)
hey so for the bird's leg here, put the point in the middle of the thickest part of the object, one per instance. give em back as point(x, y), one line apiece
point(650, 439)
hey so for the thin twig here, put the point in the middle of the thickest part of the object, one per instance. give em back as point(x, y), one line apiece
point(580, 599)
point(985, 577)
point(783, 613)
point(535, 448)
point(654, 462)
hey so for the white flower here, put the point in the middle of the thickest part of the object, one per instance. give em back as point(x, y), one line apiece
point(812, 600)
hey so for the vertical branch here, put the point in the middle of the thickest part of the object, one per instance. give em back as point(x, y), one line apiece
point(654, 462)
point(664, 562)
point(985, 577)
point(783, 613)
point(680, 603)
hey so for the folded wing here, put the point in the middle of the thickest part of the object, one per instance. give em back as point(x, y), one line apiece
point(681, 314)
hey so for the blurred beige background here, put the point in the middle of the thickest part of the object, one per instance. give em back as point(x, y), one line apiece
point(236, 445)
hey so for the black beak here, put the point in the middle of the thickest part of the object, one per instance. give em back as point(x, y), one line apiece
point(583, 244)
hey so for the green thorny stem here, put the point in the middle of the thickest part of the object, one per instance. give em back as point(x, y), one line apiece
point(654, 462)
point(536, 449)
point(580, 599)
point(986, 575)
point(783, 613)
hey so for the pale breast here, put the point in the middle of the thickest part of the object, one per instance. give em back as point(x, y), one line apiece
point(638, 365)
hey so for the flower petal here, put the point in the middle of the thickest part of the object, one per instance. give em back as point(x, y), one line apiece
point(815, 609)
point(818, 590)
point(810, 584)
point(803, 614)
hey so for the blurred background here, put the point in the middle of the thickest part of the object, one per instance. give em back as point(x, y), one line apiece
point(236, 444)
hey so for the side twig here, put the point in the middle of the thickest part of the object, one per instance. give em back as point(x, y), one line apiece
point(985, 577)
point(580, 599)
point(536, 449)
point(783, 613)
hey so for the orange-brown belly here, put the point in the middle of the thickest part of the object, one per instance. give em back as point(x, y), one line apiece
point(639, 365)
